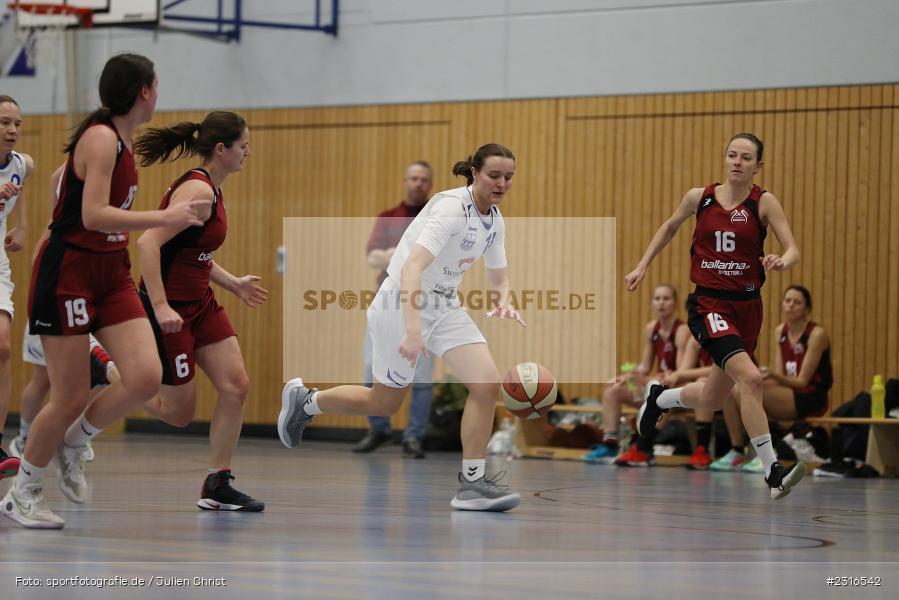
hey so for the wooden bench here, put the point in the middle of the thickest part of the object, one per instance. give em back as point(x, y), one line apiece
point(883, 440)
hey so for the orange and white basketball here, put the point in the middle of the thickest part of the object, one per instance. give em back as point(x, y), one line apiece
point(529, 390)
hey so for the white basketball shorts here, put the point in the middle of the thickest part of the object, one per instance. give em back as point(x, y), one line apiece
point(444, 326)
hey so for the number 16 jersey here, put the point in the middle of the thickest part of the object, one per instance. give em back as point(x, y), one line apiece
point(728, 244)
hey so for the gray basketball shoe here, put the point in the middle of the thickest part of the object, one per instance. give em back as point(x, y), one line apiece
point(485, 494)
point(293, 419)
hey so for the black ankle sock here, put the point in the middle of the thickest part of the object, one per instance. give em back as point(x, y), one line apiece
point(703, 434)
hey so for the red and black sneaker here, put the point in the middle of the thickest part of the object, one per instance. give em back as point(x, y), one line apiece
point(9, 466)
point(217, 494)
point(700, 460)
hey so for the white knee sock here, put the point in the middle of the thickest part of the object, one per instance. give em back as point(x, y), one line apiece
point(672, 398)
point(80, 433)
point(310, 407)
point(474, 469)
point(24, 427)
point(764, 448)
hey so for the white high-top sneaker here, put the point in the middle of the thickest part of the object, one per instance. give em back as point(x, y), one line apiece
point(29, 507)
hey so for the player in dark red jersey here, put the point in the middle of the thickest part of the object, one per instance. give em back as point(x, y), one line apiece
point(728, 268)
point(81, 283)
point(664, 339)
point(190, 326)
point(801, 379)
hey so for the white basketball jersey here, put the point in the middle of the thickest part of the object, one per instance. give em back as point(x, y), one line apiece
point(452, 229)
point(14, 170)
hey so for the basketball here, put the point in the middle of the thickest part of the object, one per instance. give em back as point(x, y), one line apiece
point(529, 390)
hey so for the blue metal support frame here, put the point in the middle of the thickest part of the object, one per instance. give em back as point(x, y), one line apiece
point(230, 29)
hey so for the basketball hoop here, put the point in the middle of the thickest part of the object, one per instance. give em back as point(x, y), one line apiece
point(50, 21)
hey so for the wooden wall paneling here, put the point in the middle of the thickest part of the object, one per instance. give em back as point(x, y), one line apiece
point(891, 190)
point(866, 208)
point(827, 139)
point(888, 277)
point(872, 122)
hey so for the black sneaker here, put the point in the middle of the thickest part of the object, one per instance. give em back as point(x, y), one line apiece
point(217, 494)
point(372, 441)
point(782, 479)
point(412, 448)
point(650, 413)
point(836, 470)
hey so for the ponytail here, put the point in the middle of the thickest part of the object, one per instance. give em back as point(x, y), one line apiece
point(161, 144)
point(463, 169)
point(101, 115)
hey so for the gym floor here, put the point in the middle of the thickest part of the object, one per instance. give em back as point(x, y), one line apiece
point(342, 525)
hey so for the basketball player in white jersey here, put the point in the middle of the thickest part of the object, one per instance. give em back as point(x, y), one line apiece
point(14, 170)
point(417, 311)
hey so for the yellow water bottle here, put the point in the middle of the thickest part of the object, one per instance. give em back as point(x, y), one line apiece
point(878, 410)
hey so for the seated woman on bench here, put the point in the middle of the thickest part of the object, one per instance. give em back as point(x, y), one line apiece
point(664, 339)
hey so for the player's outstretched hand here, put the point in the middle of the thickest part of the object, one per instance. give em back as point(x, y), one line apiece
point(506, 312)
point(246, 289)
point(773, 262)
point(634, 278)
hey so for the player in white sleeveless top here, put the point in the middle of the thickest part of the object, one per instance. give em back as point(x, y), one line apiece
point(14, 170)
point(417, 311)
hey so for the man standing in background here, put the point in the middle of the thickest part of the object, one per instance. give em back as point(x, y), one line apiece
point(388, 229)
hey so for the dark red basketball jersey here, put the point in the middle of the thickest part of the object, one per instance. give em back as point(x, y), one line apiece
point(665, 349)
point(186, 259)
point(792, 355)
point(705, 359)
point(728, 244)
point(67, 223)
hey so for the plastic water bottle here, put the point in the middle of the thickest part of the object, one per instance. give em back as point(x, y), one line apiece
point(878, 410)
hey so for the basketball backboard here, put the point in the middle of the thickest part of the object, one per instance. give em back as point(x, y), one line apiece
point(106, 13)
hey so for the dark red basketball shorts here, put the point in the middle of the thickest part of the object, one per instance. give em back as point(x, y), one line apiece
point(205, 322)
point(74, 291)
point(723, 325)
